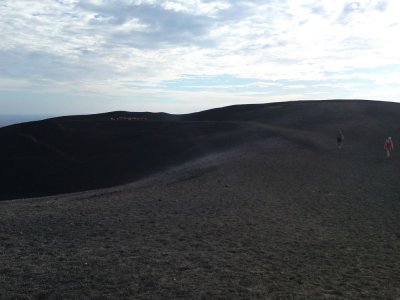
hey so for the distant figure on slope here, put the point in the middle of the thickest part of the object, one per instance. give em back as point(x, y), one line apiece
point(388, 146)
point(340, 138)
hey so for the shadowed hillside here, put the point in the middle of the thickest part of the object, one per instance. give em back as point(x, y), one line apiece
point(77, 153)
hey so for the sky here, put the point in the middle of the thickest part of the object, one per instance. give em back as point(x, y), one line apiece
point(61, 57)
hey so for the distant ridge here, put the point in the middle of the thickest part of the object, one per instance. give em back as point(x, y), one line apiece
point(123, 114)
point(75, 153)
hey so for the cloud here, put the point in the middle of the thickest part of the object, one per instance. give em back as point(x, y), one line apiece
point(148, 25)
point(7, 84)
point(131, 47)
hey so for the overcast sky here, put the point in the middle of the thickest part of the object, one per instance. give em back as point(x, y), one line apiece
point(88, 56)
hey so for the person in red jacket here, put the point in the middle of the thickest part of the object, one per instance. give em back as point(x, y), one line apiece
point(388, 146)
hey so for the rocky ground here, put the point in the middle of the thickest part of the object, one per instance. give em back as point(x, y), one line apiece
point(253, 223)
point(287, 216)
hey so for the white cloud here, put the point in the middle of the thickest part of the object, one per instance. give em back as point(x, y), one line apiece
point(7, 84)
point(96, 46)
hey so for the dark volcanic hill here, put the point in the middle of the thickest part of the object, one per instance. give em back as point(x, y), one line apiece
point(77, 153)
point(253, 202)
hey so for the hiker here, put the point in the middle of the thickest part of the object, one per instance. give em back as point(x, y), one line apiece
point(388, 146)
point(340, 139)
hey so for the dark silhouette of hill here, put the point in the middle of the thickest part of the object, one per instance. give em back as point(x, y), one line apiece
point(76, 153)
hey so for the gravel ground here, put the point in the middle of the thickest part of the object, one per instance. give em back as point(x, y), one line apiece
point(269, 220)
point(260, 206)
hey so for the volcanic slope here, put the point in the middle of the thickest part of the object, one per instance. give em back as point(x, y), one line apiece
point(78, 153)
point(279, 214)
